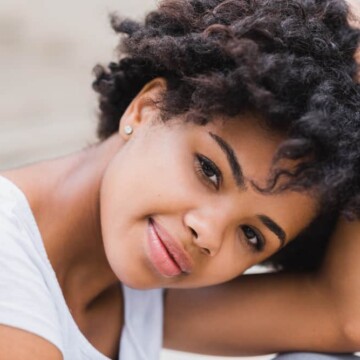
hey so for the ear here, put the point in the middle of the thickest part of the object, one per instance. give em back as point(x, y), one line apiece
point(143, 107)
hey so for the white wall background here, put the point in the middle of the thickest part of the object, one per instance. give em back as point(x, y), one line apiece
point(47, 52)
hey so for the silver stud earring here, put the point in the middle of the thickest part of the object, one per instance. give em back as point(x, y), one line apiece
point(128, 130)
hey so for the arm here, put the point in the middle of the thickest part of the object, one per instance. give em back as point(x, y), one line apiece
point(17, 344)
point(257, 314)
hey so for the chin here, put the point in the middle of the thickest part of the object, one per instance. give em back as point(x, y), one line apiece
point(139, 283)
point(136, 277)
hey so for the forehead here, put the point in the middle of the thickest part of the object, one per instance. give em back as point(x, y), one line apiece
point(254, 144)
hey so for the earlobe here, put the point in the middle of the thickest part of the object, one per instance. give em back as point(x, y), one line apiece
point(128, 129)
point(143, 107)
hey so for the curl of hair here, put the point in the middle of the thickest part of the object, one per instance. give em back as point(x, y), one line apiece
point(290, 61)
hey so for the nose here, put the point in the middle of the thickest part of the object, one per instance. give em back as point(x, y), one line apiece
point(207, 230)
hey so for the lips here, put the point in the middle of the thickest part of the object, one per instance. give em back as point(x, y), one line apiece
point(166, 254)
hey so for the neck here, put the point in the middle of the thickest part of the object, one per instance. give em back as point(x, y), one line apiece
point(64, 197)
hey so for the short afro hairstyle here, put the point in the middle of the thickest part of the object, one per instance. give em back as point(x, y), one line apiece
point(292, 62)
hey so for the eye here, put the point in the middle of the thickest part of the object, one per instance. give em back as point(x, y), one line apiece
point(253, 238)
point(208, 170)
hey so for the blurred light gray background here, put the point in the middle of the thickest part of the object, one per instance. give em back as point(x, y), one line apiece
point(48, 50)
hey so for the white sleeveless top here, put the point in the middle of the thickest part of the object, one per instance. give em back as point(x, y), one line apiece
point(31, 298)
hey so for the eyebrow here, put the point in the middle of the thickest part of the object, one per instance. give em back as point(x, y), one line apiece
point(232, 159)
point(240, 182)
point(273, 227)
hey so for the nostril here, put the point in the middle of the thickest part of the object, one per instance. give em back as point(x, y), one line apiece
point(194, 233)
point(205, 251)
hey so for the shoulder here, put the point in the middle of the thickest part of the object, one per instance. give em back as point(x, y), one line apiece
point(19, 250)
point(27, 303)
point(32, 346)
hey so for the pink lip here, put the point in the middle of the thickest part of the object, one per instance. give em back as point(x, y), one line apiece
point(168, 257)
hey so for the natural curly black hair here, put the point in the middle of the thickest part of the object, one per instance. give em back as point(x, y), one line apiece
point(292, 62)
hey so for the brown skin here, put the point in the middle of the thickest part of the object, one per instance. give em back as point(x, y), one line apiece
point(276, 312)
point(154, 172)
point(32, 346)
point(260, 314)
point(66, 210)
point(251, 314)
point(176, 196)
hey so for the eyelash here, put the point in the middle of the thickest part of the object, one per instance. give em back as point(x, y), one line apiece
point(250, 233)
point(203, 166)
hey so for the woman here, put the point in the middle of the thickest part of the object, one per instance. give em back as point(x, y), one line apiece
point(224, 128)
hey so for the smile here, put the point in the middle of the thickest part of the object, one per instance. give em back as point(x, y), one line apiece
point(166, 255)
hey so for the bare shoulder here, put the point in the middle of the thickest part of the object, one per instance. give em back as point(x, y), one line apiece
point(17, 344)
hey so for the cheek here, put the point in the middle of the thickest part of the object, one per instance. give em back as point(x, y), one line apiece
point(233, 260)
point(144, 187)
point(134, 187)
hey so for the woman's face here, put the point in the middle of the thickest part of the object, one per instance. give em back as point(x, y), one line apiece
point(177, 205)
